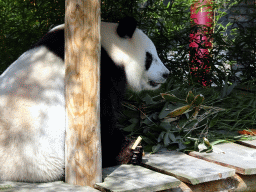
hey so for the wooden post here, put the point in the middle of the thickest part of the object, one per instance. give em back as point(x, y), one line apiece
point(83, 162)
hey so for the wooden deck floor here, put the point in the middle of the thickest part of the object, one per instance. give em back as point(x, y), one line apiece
point(230, 167)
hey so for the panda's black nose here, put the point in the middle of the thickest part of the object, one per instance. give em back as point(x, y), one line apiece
point(165, 75)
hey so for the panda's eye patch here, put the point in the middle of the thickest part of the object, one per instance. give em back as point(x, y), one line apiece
point(148, 60)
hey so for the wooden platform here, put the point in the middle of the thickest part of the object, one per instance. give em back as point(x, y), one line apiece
point(230, 167)
point(136, 178)
point(238, 157)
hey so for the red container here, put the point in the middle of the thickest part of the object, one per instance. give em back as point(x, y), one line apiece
point(202, 17)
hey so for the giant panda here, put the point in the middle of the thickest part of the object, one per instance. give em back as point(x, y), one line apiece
point(32, 103)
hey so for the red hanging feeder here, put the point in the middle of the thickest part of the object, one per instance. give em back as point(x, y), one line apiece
point(200, 42)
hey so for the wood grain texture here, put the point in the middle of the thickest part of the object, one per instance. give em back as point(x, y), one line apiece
point(82, 81)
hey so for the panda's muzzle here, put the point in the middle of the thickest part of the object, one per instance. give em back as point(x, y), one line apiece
point(153, 83)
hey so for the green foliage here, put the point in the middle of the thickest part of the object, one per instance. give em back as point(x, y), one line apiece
point(24, 23)
point(168, 121)
point(190, 121)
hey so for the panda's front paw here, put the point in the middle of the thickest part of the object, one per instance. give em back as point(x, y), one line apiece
point(131, 152)
point(137, 153)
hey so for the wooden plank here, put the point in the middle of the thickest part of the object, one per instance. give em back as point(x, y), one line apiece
point(43, 187)
point(135, 178)
point(237, 182)
point(186, 168)
point(238, 157)
point(251, 144)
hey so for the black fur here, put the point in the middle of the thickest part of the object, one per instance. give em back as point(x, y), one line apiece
point(54, 41)
point(126, 27)
point(113, 85)
point(149, 60)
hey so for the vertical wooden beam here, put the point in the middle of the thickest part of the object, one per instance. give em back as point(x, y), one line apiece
point(83, 162)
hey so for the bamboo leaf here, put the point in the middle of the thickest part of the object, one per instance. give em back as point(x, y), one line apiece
point(182, 122)
point(172, 98)
point(164, 112)
point(172, 137)
point(166, 139)
point(166, 126)
point(148, 99)
point(182, 146)
point(198, 100)
point(191, 123)
point(190, 97)
point(147, 140)
point(179, 111)
point(130, 128)
point(156, 148)
point(160, 137)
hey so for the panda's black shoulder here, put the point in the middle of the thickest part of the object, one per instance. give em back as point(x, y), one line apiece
point(112, 71)
point(54, 41)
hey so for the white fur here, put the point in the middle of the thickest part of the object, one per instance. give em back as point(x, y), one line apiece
point(57, 27)
point(32, 104)
point(32, 118)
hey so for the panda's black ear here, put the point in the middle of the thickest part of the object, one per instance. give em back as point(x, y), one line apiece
point(126, 27)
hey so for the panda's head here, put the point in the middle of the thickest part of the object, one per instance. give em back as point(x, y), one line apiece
point(130, 48)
